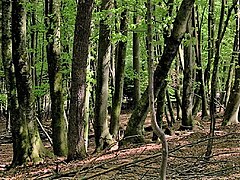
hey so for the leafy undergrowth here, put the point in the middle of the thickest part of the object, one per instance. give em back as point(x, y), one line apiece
point(142, 161)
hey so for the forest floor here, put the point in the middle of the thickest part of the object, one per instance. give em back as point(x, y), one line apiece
point(142, 161)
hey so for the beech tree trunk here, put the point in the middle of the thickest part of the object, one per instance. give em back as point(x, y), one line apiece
point(232, 109)
point(187, 99)
point(157, 130)
point(76, 144)
point(7, 62)
point(119, 78)
point(136, 63)
point(134, 131)
point(221, 31)
point(27, 145)
point(102, 136)
point(59, 127)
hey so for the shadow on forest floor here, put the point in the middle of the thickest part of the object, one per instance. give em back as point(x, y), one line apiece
point(142, 161)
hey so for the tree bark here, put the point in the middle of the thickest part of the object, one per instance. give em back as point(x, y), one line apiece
point(7, 62)
point(232, 109)
point(136, 63)
point(27, 145)
point(52, 8)
point(187, 99)
point(119, 79)
point(134, 131)
point(158, 131)
point(211, 29)
point(221, 31)
point(102, 135)
point(76, 145)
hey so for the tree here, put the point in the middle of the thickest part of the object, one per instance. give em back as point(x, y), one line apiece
point(187, 99)
point(76, 145)
point(135, 124)
point(7, 60)
point(102, 135)
point(221, 31)
point(154, 123)
point(27, 145)
point(59, 127)
point(136, 62)
point(232, 109)
point(119, 76)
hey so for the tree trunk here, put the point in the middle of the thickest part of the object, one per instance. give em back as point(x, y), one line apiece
point(187, 99)
point(7, 62)
point(221, 31)
point(234, 61)
point(76, 145)
point(200, 74)
point(211, 29)
point(102, 135)
point(136, 63)
point(159, 132)
point(232, 109)
point(27, 145)
point(134, 131)
point(119, 79)
point(52, 8)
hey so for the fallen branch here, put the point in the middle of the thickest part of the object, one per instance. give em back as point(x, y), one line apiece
point(44, 131)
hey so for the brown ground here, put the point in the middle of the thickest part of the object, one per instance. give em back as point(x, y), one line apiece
point(142, 161)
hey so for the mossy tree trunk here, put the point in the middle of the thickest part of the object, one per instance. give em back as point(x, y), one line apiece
point(7, 61)
point(134, 131)
point(76, 144)
point(27, 145)
point(102, 134)
point(119, 77)
point(59, 127)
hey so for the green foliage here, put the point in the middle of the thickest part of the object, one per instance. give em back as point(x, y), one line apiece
point(40, 91)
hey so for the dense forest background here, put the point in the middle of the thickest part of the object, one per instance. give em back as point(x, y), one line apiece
point(81, 64)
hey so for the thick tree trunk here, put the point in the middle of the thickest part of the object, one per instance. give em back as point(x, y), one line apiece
point(119, 79)
point(55, 77)
point(76, 145)
point(27, 145)
point(134, 131)
point(102, 135)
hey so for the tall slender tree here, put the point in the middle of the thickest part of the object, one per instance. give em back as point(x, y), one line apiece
point(102, 135)
point(136, 61)
point(76, 145)
point(59, 127)
point(135, 124)
point(221, 31)
point(27, 145)
point(187, 99)
point(232, 110)
point(119, 79)
point(154, 123)
point(7, 61)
